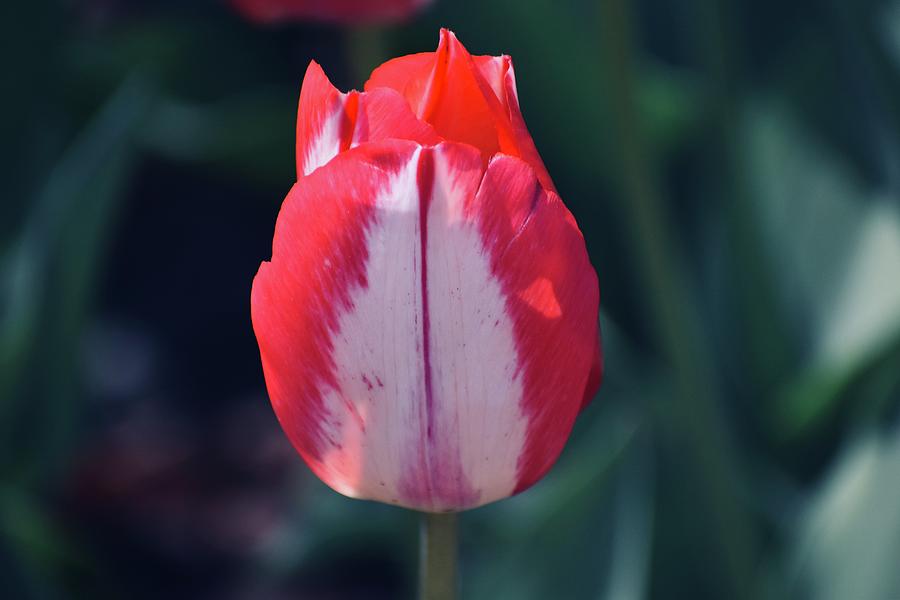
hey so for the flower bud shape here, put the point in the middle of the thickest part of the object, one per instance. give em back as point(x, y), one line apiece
point(428, 320)
point(333, 11)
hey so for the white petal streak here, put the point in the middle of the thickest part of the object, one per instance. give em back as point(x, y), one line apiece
point(476, 380)
point(327, 142)
point(377, 353)
point(379, 408)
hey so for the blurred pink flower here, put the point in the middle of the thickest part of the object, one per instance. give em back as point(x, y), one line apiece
point(338, 11)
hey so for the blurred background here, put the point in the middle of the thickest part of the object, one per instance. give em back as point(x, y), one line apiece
point(735, 168)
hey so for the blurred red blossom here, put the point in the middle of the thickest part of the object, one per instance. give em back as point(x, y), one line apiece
point(339, 11)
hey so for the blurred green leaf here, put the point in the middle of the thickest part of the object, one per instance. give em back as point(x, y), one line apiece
point(252, 134)
point(25, 526)
point(838, 251)
point(861, 334)
point(49, 276)
point(890, 28)
point(811, 209)
point(671, 105)
point(632, 527)
point(848, 536)
point(201, 57)
point(865, 314)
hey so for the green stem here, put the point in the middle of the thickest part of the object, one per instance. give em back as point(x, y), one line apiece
point(437, 560)
point(696, 421)
point(768, 344)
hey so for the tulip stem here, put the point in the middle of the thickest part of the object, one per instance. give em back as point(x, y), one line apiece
point(437, 558)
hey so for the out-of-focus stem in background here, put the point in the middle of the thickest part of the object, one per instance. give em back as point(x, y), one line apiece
point(366, 49)
point(696, 422)
point(761, 327)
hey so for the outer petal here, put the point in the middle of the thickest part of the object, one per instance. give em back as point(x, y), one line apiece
point(409, 75)
point(499, 73)
point(553, 298)
point(329, 122)
point(426, 328)
point(321, 257)
point(341, 11)
point(467, 99)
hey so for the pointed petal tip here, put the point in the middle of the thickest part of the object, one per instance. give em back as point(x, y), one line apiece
point(448, 38)
point(314, 70)
point(315, 77)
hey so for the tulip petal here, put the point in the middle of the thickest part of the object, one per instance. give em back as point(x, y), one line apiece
point(552, 297)
point(332, 226)
point(470, 99)
point(329, 121)
point(324, 124)
point(426, 327)
point(443, 89)
point(409, 75)
point(384, 114)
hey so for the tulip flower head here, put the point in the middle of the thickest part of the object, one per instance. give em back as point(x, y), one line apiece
point(335, 11)
point(428, 320)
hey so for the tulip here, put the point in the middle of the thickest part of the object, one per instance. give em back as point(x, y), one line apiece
point(339, 11)
point(428, 320)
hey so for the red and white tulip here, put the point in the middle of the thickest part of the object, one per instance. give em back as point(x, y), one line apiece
point(428, 320)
